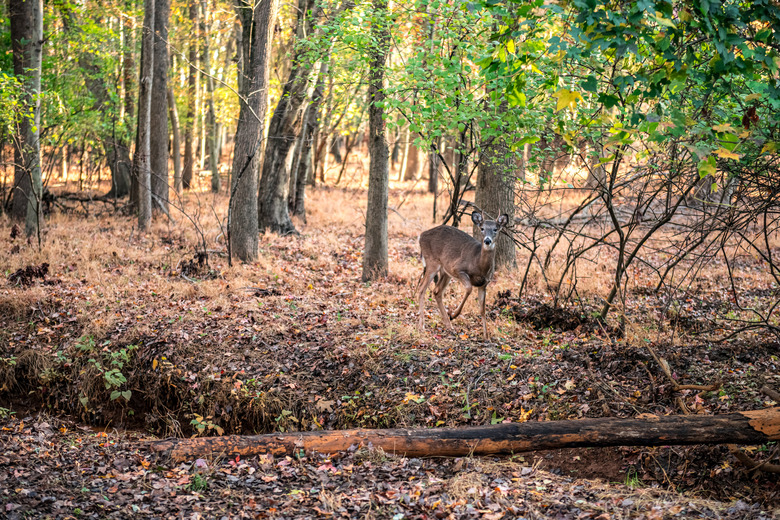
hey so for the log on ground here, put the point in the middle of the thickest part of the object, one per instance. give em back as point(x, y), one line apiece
point(752, 427)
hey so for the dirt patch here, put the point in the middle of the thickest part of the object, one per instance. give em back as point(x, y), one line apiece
point(542, 316)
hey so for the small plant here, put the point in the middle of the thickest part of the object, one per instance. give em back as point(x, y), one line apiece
point(283, 418)
point(86, 344)
point(5, 412)
point(198, 483)
point(632, 478)
point(206, 425)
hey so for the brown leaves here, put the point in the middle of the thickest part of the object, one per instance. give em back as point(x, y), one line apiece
point(27, 275)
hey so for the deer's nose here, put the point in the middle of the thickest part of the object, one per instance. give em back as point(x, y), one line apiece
point(488, 241)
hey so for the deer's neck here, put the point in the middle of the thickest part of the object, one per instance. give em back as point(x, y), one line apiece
point(485, 262)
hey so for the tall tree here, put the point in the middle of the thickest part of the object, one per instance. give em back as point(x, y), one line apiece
point(176, 141)
point(128, 60)
point(496, 189)
point(141, 160)
point(27, 43)
point(192, 95)
point(375, 255)
point(257, 19)
point(284, 128)
point(303, 168)
point(115, 144)
point(159, 108)
point(211, 134)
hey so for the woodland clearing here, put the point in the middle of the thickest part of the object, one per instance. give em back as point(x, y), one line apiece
point(135, 335)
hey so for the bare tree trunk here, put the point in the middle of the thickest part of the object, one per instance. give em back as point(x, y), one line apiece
point(210, 132)
point(375, 260)
point(405, 157)
point(496, 192)
point(176, 145)
point(128, 63)
point(141, 161)
point(192, 94)
point(158, 133)
point(27, 43)
point(412, 162)
point(285, 126)
point(257, 20)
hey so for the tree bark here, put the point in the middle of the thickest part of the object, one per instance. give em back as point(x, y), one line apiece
point(496, 192)
point(192, 94)
point(412, 161)
point(176, 144)
point(141, 161)
point(211, 132)
point(283, 130)
point(257, 20)
point(753, 427)
point(27, 44)
point(128, 62)
point(303, 160)
point(158, 133)
point(375, 261)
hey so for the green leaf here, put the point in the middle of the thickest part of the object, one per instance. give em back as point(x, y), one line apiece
point(707, 167)
point(590, 84)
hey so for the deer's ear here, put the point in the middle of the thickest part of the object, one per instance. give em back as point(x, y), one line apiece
point(476, 218)
point(503, 220)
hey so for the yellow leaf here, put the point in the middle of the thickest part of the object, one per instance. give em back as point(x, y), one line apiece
point(510, 46)
point(744, 135)
point(567, 98)
point(770, 147)
point(753, 97)
point(664, 21)
point(724, 128)
point(725, 154)
point(154, 364)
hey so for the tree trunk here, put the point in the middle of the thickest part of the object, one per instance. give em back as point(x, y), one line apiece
point(192, 94)
point(210, 131)
point(283, 130)
point(116, 149)
point(27, 44)
point(375, 255)
point(753, 427)
point(257, 20)
point(141, 161)
point(176, 145)
point(405, 157)
point(128, 63)
point(412, 162)
point(158, 132)
point(496, 192)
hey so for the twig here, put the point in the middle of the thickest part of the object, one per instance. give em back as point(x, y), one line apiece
point(769, 392)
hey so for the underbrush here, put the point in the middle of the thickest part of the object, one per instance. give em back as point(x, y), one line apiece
point(141, 332)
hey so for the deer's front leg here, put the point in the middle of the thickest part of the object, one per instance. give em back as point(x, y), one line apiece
point(464, 279)
point(481, 296)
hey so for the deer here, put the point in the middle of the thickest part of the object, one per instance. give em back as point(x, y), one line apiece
point(451, 253)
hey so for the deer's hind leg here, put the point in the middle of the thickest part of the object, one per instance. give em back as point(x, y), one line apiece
point(427, 277)
point(438, 294)
point(464, 279)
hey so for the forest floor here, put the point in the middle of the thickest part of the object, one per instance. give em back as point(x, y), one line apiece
point(108, 338)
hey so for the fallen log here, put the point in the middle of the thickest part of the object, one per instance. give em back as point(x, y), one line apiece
point(752, 427)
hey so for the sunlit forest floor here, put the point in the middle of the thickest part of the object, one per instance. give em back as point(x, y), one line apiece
point(121, 336)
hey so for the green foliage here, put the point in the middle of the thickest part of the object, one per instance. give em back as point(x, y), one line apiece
point(645, 73)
